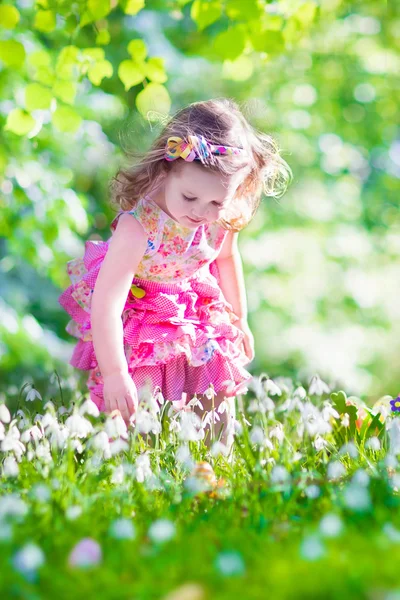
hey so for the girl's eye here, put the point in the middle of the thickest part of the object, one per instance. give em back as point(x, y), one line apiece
point(194, 199)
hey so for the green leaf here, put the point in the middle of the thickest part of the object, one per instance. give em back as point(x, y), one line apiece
point(66, 119)
point(130, 73)
point(305, 13)
point(12, 53)
point(44, 75)
point(137, 49)
point(19, 122)
point(45, 20)
point(9, 16)
point(99, 8)
point(154, 97)
point(39, 58)
point(268, 41)
point(65, 90)
point(93, 53)
point(37, 97)
point(103, 37)
point(243, 9)
point(131, 7)
point(239, 69)
point(154, 69)
point(101, 69)
point(230, 44)
point(67, 62)
point(205, 13)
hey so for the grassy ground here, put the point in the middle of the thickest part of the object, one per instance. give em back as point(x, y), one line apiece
point(305, 506)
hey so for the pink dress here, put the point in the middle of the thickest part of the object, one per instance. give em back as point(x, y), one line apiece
point(178, 326)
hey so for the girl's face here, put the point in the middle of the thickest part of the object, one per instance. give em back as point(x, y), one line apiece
point(193, 195)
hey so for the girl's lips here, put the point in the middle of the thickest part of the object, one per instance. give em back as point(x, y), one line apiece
point(193, 221)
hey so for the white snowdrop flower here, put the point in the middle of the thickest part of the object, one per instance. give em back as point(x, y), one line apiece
point(224, 407)
point(85, 553)
point(150, 403)
point(210, 392)
point(208, 417)
point(117, 474)
point(280, 474)
point(195, 401)
point(394, 436)
point(219, 448)
point(230, 563)
point(391, 532)
point(122, 529)
point(58, 436)
point(296, 456)
point(29, 558)
point(78, 426)
point(349, 448)
point(41, 492)
point(99, 441)
point(255, 406)
point(50, 407)
point(10, 467)
point(271, 388)
point(313, 421)
point(373, 443)
point(191, 427)
point(118, 445)
point(73, 512)
point(335, 469)
point(43, 451)
point(143, 467)
point(391, 461)
point(5, 416)
point(49, 421)
point(146, 422)
point(11, 442)
point(394, 482)
point(184, 456)
point(312, 491)
point(76, 444)
point(300, 392)
point(318, 387)
point(33, 433)
point(330, 525)
point(311, 548)
point(2, 431)
point(277, 432)
point(329, 411)
point(32, 394)
point(161, 530)
point(268, 405)
point(89, 407)
point(174, 426)
point(357, 497)
point(115, 426)
point(12, 505)
point(6, 530)
point(360, 477)
point(319, 443)
point(257, 435)
point(62, 410)
point(345, 420)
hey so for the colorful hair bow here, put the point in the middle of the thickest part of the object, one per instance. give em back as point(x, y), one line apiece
point(196, 148)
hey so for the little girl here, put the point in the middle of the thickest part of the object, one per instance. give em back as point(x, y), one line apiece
point(162, 302)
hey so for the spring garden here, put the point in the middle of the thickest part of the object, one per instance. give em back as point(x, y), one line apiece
point(306, 504)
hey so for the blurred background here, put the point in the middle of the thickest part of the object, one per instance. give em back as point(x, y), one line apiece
point(81, 82)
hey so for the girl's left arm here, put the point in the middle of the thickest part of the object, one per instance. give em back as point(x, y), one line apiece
point(229, 263)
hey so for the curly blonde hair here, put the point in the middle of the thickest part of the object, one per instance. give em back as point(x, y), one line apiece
point(221, 122)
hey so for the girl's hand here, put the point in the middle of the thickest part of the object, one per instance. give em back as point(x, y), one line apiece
point(120, 393)
point(248, 342)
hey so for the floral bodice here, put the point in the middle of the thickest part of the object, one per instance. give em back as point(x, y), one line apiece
point(174, 252)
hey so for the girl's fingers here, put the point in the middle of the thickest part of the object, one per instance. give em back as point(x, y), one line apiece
point(130, 404)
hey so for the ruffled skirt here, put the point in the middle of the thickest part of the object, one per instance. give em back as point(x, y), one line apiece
point(179, 336)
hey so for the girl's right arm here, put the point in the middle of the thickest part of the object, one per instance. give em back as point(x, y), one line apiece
point(126, 249)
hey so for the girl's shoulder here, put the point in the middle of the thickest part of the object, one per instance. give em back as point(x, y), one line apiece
point(143, 212)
